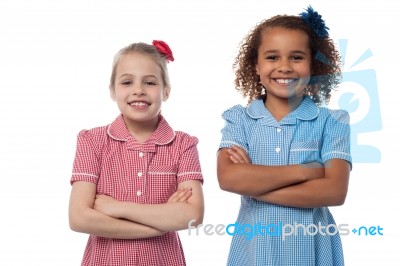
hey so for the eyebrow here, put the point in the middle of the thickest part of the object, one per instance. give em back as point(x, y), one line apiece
point(130, 75)
point(277, 51)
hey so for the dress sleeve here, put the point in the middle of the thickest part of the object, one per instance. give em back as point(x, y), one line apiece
point(189, 164)
point(233, 133)
point(336, 141)
point(86, 165)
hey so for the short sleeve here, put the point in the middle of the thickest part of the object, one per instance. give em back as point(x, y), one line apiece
point(86, 165)
point(233, 132)
point(336, 141)
point(188, 163)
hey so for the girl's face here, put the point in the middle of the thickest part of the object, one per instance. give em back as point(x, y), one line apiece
point(284, 62)
point(139, 89)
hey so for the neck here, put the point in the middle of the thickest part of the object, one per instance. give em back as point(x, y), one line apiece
point(142, 130)
point(280, 107)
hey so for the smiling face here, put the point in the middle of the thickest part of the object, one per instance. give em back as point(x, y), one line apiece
point(139, 90)
point(284, 62)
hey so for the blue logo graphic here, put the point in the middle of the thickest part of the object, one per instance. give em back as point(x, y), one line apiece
point(359, 97)
point(368, 231)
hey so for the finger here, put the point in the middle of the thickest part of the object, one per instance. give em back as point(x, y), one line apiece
point(236, 157)
point(186, 195)
point(244, 157)
point(233, 159)
point(174, 196)
point(240, 151)
point(181, 195)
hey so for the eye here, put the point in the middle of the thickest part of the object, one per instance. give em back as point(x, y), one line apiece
point(150, 83)
point(297, 58)
point(272, 57)
point(126, 82)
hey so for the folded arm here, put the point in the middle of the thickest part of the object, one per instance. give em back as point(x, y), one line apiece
point(85, 219)
point(328, 191)
point(170, 216)
point(236, 173)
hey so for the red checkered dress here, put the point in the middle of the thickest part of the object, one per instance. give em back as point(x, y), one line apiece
point(143, 173)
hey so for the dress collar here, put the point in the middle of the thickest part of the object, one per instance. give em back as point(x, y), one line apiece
point(163, 134)
point(307, 110)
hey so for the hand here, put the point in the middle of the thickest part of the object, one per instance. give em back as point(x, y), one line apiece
point(107, 205)
point(181, 195)
point(238, 155)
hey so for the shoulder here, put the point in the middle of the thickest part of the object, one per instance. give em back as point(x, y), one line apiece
point(247, 114)
point(234, 111)
point(335, 115)
point(173, 139)
point(253, 111)
point(96, 132)
point(95, 137)
point(184, 140)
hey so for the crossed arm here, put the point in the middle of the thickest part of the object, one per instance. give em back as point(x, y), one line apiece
point(304, 186)
point(104, 216)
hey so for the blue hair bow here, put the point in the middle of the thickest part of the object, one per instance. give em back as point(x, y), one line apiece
point(315, 21)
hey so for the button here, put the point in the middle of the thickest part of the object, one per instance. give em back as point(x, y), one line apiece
point(278, 130)
point(139, 174)
point(277, 149)
point(139, 193)
point(141, 154)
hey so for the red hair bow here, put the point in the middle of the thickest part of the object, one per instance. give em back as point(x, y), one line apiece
point(164, 49)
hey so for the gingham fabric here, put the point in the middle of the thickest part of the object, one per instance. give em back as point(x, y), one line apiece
point(143, 173)
point(307, 134)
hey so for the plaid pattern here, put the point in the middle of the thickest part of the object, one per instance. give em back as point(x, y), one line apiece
point(306, 134)
point(142, 173)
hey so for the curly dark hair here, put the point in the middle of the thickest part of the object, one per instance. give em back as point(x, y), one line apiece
point(325, 64)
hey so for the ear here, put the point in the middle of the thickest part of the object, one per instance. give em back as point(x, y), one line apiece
point(112, 94)
point(257, 70)
point(166, 92)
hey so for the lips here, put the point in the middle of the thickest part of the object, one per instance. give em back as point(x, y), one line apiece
point(139, 103)
point(285, 81)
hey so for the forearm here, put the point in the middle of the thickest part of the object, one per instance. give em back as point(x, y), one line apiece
point(328, 191)
point(237, 174)
point(310, 194)
point(93, 222)
point(252, 179)
point(85, 219)
point(164, 217)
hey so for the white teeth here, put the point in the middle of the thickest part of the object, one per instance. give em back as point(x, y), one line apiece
point(138, 103)
point(284, 81)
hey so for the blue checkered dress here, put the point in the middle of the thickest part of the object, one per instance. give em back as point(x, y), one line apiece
point(307, 134)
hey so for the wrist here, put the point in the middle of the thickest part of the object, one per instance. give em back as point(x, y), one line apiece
point(299, 173)
point(313, 170)
point(117, 210)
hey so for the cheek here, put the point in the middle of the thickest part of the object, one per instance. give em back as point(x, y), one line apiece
point(309, 67)
point(305, 80)
point(119, 97)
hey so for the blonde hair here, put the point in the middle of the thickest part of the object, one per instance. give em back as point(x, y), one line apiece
point(143, 48)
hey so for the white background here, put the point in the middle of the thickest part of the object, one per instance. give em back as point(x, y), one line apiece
point(55, 63)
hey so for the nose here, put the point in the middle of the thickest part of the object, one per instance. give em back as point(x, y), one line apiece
point(137, 89)
point(285, 66)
